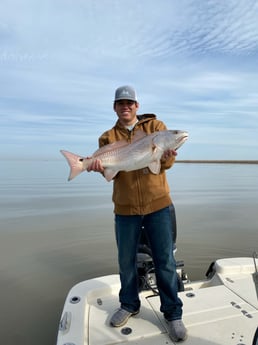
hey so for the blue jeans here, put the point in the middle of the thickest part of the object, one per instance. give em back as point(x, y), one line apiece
point(158, 227)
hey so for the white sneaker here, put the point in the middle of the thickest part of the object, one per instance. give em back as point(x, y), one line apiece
point(120, 317)
point(177, 330)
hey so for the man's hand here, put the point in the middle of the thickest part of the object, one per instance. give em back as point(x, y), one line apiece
point(96, 165)
point(168, 154)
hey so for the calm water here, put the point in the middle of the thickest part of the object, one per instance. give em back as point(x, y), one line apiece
point(54, 234)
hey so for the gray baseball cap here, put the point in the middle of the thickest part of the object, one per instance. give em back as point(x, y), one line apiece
point(125, 92)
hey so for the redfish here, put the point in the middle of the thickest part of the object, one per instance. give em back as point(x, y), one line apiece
point(145, 150)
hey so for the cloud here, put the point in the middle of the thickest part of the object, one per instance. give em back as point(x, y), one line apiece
point(194, 63)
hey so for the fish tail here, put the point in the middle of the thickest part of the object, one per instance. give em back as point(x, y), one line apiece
point(75, 162)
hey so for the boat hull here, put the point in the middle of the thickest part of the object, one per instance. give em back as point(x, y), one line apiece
point(221, 310)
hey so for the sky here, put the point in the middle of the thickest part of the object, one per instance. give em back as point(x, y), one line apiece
point(193, 63)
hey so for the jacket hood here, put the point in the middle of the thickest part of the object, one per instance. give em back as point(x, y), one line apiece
point(141, 118)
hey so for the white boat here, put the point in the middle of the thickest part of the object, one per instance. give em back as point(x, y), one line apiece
point(221, 309)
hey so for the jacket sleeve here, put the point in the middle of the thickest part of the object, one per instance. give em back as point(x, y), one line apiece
point(103, 140)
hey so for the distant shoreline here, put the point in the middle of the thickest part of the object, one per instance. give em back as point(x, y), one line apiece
point(212, 161)
point(193, 161)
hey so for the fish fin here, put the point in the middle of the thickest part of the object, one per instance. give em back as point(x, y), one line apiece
point(109, 147)
point(75, 162)
point(109, 174)
point(119, 144)
point(154, 167)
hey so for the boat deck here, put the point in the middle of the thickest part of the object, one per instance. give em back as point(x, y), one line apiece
point(223, 314)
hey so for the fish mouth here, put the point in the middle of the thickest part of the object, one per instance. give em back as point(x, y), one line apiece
point(180, 141)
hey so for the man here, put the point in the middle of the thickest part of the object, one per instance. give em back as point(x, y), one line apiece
point(142, 197)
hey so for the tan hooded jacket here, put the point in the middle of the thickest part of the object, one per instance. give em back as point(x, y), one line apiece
point(138, 192)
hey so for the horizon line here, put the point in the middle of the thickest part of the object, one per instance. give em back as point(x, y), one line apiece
point(214, 161)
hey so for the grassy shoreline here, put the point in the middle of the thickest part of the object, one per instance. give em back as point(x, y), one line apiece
point(212, 161)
